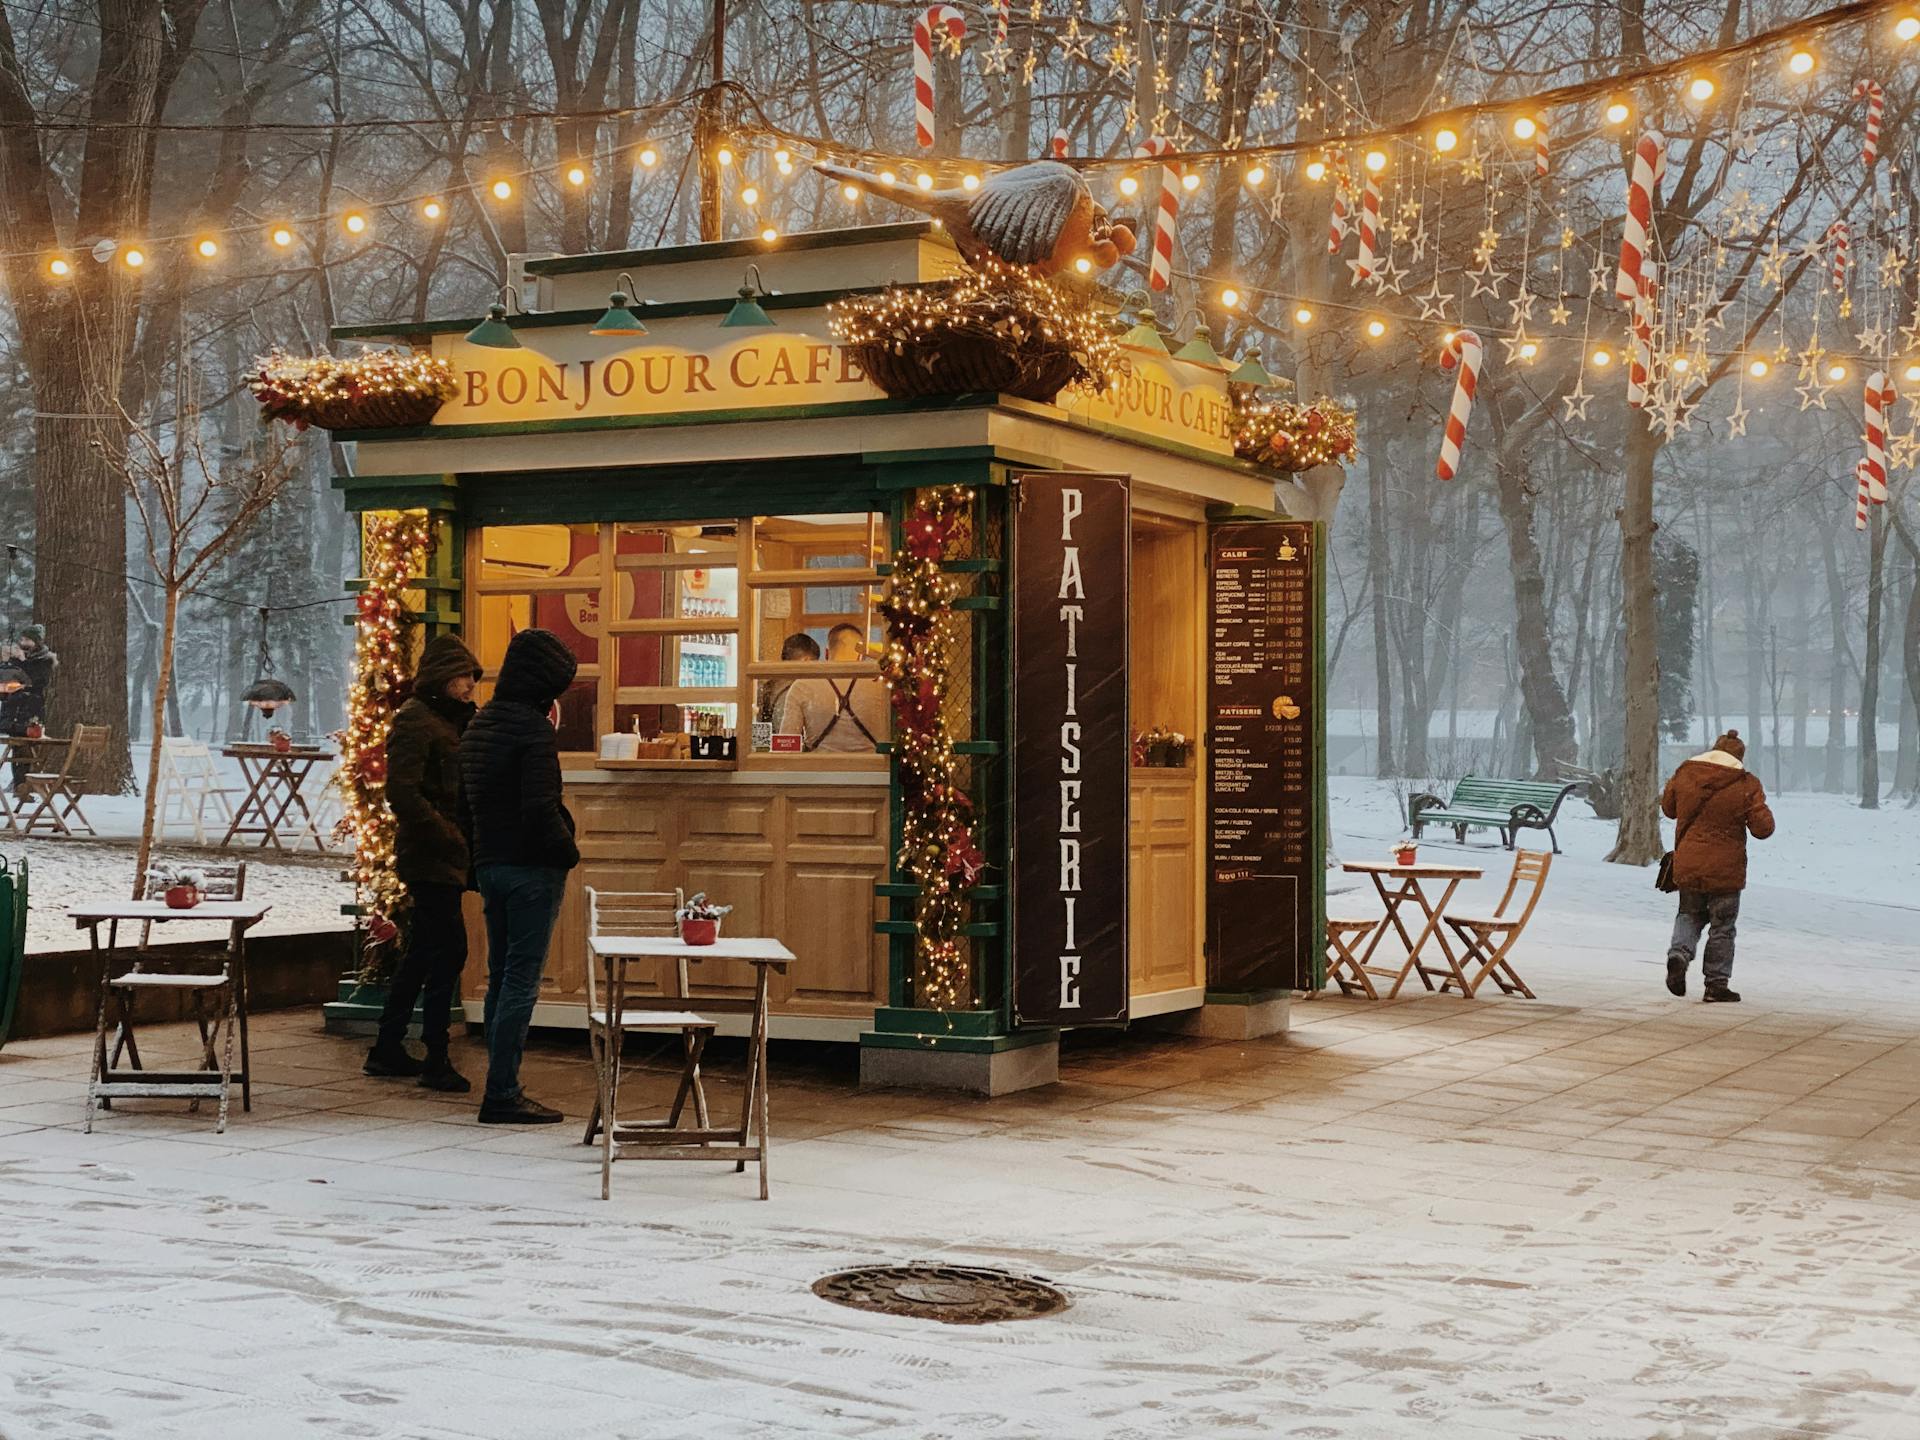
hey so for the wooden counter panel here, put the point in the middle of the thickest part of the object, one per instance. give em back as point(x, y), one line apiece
point(1163, 875)
point(796, 862)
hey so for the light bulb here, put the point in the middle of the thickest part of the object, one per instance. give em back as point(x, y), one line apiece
point(207, 248)
point(1801, 61)
point(1529, 349)
point(1444, 140)
point(1758, 369)
point(649, 157)
point(769, 234)
point(1700, 89)
point(724, 155)
point(1230, 298)
point(969, 182)
point(1303, 316)
point(783, 157)
point(1603, 357)
point(355, 222)
point(1257, 176)
point(576, 175)
point(134, 257)
point(923, 180)
point(502, 190)
point(1617, 112)
point(852, 192)
point(1907, 27)
point(281, 236)
point(1836, 373)
point(1524, 126)
point(1376, 160)
point(1190, 181)
point(1316, 170)
point(433, 210)
point(1129, 185)
point(59, 267)
point(750, 196)
point(1681, 365)
point(1376, 328)
point(1911, 373)
point(887, 177)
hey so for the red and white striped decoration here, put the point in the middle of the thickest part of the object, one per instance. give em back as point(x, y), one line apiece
point(1640, 362)
point(1840, 242)
point(1540, 149)
point(1643, 192)
point(1000, 22)
point(1463, 351)
point(1060, 142)
point(1863, 493)
point(934, 19)
point(1879, 400)
point(1369, 228)
point(1876, 104)
point(1160, 264)
point(1337, 224)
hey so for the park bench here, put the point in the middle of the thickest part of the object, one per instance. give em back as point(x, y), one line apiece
point(1508, 806)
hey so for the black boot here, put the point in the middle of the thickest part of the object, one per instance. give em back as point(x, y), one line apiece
point(438, 1074)
point(391, 1060)
point(1676, 973)
point(521, 1110)
point(1719, 994)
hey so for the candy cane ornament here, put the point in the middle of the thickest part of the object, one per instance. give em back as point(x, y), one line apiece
point(1540, 149)
point(934, 19)
point(1640, 362)
point(1643, 193)
point(1876, 105)
point(1060, 142)
point(1369, 228)
point(1000, 8)
point(1879, 400)
point(1160, 264)
point(1840, 242)
point(1337, 224)
point(1862, 495)
point(1463, 351)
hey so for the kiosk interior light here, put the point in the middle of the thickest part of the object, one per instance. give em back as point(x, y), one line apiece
point(747, 310)
point(750, 195)
point(969, 182)
point(851, 192)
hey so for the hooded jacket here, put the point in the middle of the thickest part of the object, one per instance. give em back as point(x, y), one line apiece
point(30, 702)
point(423, 769)
point(510, 761)
point(1715, 803)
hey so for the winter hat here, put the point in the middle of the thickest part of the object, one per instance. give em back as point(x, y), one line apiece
point(536, 670)
point(35, 633)
point(1732, 744)
point(445, 658)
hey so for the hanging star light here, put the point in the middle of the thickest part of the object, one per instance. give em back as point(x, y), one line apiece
point(1486, 281)
point(1903, 449)
point(1773, 264)
point(1576, 400)
point(1559, 314)
point(1811, 361)
point(1737, 419)
point(1893, 264)
point(1473, 167)
point(1873, 340)
point(1388, 278)
point(1520, 345)
point(1433, 304)
point(1520, 308)
point(1813, 394)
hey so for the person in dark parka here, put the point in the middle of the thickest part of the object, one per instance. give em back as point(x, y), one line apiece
point(1715, 803)
point(522, 844)
point(19, 709)
point(430, 856)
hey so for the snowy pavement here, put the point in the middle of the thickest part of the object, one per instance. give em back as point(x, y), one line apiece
point(1604, 1213)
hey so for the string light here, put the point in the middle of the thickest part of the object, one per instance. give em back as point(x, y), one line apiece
point(1230, 298)
point(1293, 437)
point(433, 210)
point(59, 267)
point(207, 247)
point(1529, 349)
point(750, 196)
point(724, 156)
point(1700, 89)
point(649, 157)
point(1603, 357)
point(1906, 27)
point(1316, 170)
point(1303, 316)
point(1190, 181)
point(851, 192)
point(134, 257)
point(769, 234)
point(1376, 328)
point(1617, 112)
point(1836, 372)
point(783, 157)
point(887, 177)
point(969, 182)
point(1912, 372)
point(281, 236)
point(576, 175)
point(355, 222)
point(1129, 185)
point(1681, 365)
point(1758, 368)
point(923, 180)
point(1524, 127)
point(1376, 160)
point(1445, 139)
point(502, 190)
point(1257, 176)
point(1801, 61)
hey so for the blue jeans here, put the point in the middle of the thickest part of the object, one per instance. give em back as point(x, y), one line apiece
point(1700, 909)
point(523, 902)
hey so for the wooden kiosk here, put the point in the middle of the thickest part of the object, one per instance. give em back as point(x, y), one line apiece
point(680, 505)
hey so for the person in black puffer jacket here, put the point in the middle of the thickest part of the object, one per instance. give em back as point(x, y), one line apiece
point(430, 856)
point(521, 839)
point(35, 664)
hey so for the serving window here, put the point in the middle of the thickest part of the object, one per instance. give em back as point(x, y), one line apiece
point(763, 629)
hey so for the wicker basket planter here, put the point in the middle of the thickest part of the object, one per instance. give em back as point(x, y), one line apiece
point(380, 390)
point(962, 364)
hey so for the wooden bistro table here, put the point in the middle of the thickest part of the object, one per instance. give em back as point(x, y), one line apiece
point(213, 1080)
point(635, 1140)
point(274, 778)
point(1407, 889)
point(9, 817)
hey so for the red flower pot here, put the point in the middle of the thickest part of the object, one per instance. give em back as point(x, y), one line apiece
point(699, 932)
point(281, 741)
point(35, 730)
point(182, 897)
point(1404, 854)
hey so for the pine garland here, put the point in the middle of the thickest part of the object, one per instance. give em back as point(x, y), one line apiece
point(936, 844)
point(1293, 437)
point(395, 545)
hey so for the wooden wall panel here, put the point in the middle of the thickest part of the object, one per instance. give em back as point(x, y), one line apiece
point(1163, 944)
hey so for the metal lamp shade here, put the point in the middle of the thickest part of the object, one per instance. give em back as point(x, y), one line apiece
point(1251, 372)
point(268, 694)
point(619, 319)
point(493, 332)
point(1199, 350)
point(746, 311)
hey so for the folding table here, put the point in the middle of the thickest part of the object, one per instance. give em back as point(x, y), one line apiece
point(1407, 890)
point(274, 778)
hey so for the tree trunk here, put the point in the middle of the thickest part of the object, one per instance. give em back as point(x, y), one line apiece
point(1639, 841)
point(1549, 722)
point(1754, 598)
point(1379, 572)
point(1802, 689)
point(1834, 778)
point(162, 685)
point(1870, 666)
point(1908, 777)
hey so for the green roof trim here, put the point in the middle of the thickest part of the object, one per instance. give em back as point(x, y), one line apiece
point(751, 249)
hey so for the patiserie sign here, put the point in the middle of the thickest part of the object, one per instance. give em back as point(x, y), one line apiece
point(1264, 867)
point(1071, 762)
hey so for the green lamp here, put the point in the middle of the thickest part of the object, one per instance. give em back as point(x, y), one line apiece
point(746, 310)
point(1199, 350)
point(1251, 372)
point(493, 332)
point(1145, 335)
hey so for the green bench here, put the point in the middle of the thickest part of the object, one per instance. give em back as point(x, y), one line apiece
point(1508, 806)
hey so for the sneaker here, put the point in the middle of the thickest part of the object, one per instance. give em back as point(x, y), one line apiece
point(391, 1062)
point(1677, 974)
point(1721, 995)
point(521, 1110)
point(438, 1074)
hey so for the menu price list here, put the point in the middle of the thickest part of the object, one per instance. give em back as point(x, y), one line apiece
point(1260, 705)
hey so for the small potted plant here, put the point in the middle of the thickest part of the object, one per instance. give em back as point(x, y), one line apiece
point(1405, 851)
point(183, 887)
point(35, 730)
point(1161, 749)
point(280, 740)
point(700, 920)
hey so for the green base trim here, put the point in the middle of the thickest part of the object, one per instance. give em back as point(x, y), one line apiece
point(1243, 997)
point(980, 894)
point(979, 930)
point(676, 419)
point(977, 602)
point(360, 1004)
point(977, 1032)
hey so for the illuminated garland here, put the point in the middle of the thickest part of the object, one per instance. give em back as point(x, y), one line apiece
point(379, 389)
point(1287, 436)
point(997, 330)
point(936, 835)
point(394, 546)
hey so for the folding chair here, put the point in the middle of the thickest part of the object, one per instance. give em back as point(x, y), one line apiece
point(189, 783)
point(56, 798)
point(1489, 939)
point(1343, 962)
point(222, 882)
point(631, 912)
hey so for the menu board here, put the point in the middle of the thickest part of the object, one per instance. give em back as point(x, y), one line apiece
point(1264, 866)
point(1071, 753)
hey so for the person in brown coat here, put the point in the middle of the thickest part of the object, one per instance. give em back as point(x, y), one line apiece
point(1715, 803)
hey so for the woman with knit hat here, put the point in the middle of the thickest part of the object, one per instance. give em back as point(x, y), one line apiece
point(1715, 803)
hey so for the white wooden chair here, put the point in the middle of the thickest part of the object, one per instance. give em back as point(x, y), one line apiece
point(201, 985)
point(635, 912)
point(189, 784)
point(1489, 939)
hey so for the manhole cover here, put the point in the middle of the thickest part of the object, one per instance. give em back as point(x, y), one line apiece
point(955, 1294)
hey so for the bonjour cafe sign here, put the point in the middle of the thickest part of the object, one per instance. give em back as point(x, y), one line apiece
point(561, 375)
